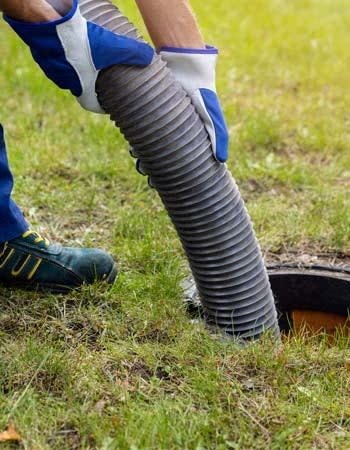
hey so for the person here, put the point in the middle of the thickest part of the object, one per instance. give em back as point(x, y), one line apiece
point(71, 51)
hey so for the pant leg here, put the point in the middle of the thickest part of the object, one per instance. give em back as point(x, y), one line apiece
point(12, 222)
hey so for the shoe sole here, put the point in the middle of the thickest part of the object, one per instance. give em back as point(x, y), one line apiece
point(58, 288)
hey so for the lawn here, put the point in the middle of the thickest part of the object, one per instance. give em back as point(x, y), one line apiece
point(125, 367)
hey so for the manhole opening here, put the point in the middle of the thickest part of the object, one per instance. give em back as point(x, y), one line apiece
point(308, 298)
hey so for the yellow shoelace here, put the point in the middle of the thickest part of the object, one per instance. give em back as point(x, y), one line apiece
point(38, 237)
point(3, 250)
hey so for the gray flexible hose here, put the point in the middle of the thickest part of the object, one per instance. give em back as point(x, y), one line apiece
point(157, 118)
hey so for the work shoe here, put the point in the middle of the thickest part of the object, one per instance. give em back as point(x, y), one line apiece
point(31, 262)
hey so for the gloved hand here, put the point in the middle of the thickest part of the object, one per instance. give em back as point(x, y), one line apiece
point(71, 51)
point(195, 69)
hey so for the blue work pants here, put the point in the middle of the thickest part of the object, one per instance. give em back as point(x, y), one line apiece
point(12, 222)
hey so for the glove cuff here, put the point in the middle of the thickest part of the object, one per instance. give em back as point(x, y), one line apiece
point(208, 50)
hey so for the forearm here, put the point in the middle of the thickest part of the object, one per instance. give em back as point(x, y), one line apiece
point(29, 10)
point(171, 23)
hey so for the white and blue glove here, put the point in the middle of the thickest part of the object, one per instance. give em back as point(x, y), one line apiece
point(195, 69)
point(71, 51)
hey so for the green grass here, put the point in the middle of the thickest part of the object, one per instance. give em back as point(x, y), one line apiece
point(125, 367)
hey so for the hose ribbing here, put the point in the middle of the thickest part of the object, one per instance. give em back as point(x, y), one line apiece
point(158, 119)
